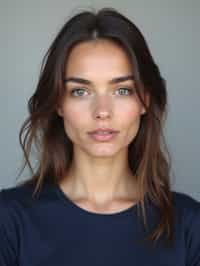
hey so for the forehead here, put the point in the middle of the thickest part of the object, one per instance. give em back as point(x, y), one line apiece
point(103, 57)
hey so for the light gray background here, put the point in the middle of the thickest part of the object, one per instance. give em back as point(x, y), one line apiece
point(171, 29)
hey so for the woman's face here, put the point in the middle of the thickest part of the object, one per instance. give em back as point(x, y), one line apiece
point(99, 103)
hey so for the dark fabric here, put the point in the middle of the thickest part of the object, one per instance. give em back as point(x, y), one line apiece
point(51, 230)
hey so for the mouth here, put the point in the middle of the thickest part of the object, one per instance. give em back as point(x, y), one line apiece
point(103, 135)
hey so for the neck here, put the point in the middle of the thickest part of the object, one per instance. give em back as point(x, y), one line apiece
point(100, 179)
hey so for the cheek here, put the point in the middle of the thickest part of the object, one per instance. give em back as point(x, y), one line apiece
point(74, 112)
point(129, 115)
point(130, 122)
point(74, 119)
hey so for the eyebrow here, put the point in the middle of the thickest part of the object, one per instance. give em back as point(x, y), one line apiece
point(88, 82)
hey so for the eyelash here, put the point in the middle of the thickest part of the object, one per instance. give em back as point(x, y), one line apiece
point(130, 90)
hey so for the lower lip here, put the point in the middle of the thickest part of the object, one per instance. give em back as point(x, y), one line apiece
point(102, 137)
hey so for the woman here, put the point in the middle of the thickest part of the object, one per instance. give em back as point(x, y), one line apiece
point(101, 192)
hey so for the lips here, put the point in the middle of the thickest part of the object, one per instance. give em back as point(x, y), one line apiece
point(103, 135)
point(103, 131)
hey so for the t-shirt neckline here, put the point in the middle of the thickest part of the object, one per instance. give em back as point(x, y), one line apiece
point(63, 196)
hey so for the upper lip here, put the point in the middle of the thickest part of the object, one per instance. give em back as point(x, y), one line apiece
point(103, 129)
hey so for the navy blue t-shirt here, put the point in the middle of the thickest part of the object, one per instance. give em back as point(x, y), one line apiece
point(51, 230)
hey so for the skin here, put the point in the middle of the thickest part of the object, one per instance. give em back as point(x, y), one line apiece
point(99, 179)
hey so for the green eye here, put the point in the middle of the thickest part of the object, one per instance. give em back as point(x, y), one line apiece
point(130, 91)
point(77, 90)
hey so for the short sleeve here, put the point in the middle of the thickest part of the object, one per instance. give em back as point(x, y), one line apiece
point(8, 236)
point(193, 238)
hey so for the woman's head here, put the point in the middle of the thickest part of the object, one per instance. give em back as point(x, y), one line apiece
point(99, 46)
point(92, 101)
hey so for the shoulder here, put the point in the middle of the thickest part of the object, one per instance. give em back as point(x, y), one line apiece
point(17, 204)
point(185, 201)
point(13, 196)
point(187, 209)
point(21, 197)
point(11, 202)
point(14, 202)
point(15, 193)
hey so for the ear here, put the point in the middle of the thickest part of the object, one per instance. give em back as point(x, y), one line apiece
point(59, 111)
point(147, 101)
point(143, 111)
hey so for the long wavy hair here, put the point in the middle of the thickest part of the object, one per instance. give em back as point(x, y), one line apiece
point(148, 155)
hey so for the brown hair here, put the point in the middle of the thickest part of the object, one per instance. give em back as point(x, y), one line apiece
point(148, 156)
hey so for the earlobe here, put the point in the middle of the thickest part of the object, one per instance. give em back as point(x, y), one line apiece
point(143, 111)
point(59, 112)
point(146, 99)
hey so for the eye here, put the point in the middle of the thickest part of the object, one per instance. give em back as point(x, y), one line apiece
point(129, 90)
point(77, 90)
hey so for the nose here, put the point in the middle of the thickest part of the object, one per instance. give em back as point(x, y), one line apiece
point(103, 107)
